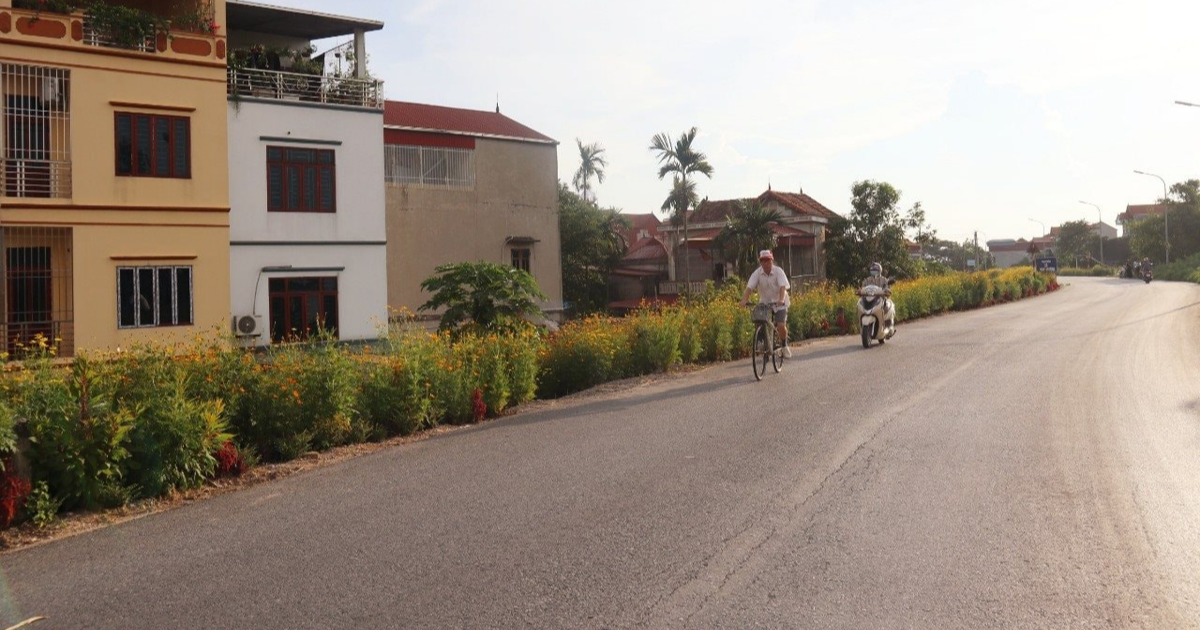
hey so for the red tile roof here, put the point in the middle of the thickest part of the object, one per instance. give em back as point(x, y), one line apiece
point(1139, 211)
point(800, 203)
point(637, 223)
point(468, 122)
point(649, 248)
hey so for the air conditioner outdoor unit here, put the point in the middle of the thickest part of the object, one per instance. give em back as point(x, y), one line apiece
point(248, 325)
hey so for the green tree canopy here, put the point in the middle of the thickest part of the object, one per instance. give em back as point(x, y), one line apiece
point(484, 293)
point(748, 231)
point(591, 164)
point(1076, 240)
point(874, 232)
point(1146, 235)
point(593, 242)
point(680, 158)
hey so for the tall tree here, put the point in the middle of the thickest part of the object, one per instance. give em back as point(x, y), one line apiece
point(680, 158)
point(875, 231)
point(593, 242)
point(1076, 240)
point(1146, 235)
point(748, 231)
point(591, 164)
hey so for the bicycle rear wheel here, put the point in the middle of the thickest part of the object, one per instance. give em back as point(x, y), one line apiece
point(760, 348)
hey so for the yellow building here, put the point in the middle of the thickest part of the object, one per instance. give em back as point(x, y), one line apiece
point(114, 200)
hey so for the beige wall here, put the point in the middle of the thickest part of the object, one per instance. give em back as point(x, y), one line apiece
point(130, 221)
point(516, 194)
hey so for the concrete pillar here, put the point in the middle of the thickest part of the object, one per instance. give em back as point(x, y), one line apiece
point(360, 54)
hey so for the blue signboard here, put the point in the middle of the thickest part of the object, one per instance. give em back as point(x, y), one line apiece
point(1046, 264)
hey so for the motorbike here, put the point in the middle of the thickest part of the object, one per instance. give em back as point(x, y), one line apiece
point(1147, 274)
point(876, 315)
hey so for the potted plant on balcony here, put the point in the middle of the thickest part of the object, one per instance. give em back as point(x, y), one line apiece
point(196, 18)
point(122, 27)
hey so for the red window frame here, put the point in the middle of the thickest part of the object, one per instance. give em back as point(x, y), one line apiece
point(322, 164)
point(522, 258)
point(175, 170)
point(281, 294)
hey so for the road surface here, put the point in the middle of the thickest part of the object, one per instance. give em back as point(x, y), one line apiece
point(1031, 465)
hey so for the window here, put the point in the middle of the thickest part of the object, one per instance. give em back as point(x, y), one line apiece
point(149, 145)
point(520, 258)
point(300, 180)
point(302, 306)
point(154, 296)
point(429, 166)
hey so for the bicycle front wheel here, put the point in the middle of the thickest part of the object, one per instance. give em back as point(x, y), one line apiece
point(760, 349)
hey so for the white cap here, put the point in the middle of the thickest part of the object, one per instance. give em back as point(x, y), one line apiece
point(766, 253)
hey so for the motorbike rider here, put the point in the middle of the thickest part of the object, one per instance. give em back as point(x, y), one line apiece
point(1147, 266)
point(772, 285)
point(876, 278)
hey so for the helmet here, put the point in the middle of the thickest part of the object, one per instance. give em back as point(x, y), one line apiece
point(876, 269)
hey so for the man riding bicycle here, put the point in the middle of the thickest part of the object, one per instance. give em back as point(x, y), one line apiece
point(772, 285)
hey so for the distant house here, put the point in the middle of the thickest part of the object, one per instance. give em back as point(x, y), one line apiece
point(643, 267)
point(1008, 252)
point(1135, 212)
point(800, 249)
point(464, 185)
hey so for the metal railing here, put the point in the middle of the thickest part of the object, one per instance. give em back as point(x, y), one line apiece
point(37, 290)
point(429, 166)
point(46, 179)
point(103, 35)
point(310, 88)
point(36, 158)
point(675, 288)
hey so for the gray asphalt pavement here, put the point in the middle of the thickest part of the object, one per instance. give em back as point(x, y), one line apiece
point(1031, 465)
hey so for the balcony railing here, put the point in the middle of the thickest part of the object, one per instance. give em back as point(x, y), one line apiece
point(309, 88)
point(36, 178)
point(107, 37)
point(675, 288)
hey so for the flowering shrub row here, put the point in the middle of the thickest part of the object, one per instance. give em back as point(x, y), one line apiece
point(153, 420)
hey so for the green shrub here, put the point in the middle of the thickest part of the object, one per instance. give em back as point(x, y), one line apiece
point(78, 439)
point(174, 440)
point(654, 340)
point(41, 506)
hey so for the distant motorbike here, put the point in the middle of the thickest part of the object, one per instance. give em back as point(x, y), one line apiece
point(876, 315)
point(1147, 274)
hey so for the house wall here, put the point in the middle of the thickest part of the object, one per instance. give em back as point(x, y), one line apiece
point(127, 221)
point(515, 194)
point(1008, 259)
point(353, 236)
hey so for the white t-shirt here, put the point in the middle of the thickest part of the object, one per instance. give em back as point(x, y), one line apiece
point(768, 286)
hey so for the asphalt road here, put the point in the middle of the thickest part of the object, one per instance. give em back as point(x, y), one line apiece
point(1032, 465)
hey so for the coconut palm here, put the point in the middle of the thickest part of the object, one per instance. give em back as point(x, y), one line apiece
point(747, 231)
point(678, 157)
point(591, 164)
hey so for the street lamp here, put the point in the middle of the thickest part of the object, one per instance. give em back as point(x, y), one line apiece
point(1167, 212)
point(1099, 227)
point(1186, 103)
point(1041, 224)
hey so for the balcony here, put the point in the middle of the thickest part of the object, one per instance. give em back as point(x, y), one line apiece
point(142, 35)
point(35, 107)
point(308, 88)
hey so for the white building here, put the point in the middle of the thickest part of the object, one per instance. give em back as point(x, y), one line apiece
point(307, 229)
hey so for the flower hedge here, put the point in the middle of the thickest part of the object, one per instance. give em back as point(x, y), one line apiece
point(115, 427)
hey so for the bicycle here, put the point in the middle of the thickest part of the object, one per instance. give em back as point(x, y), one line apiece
point(765, 345)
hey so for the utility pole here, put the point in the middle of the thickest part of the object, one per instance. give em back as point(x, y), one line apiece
point(1167, 202)
point(976, 250)
point(1099, 228)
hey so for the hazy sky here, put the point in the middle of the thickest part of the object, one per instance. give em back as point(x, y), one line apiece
point(988, 112)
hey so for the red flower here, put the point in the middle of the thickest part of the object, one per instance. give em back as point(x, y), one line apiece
point(13, 492)
point(478, 406)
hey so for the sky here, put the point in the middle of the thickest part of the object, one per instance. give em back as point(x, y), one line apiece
point(989, 113)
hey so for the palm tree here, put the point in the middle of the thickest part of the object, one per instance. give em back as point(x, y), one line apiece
point(683, 195)
point(678, 157)
point(591, 164)
point(614, 226)
point(748, 230)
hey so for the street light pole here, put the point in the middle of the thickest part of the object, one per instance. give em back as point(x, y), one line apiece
point(1099, 227)
point(1041, 224)
point(1166, 201)
point(1186, 103)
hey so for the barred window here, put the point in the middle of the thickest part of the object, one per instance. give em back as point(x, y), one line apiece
point(429, 166)
point(154, 296)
